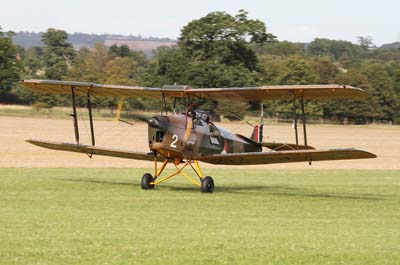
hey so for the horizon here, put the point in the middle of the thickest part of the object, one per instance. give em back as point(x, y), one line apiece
point(302, 22)
point(171, 39)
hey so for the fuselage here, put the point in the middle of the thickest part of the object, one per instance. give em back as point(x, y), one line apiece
point(180, 136)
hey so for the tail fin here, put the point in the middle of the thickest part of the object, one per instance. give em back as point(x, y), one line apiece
point(257, 134)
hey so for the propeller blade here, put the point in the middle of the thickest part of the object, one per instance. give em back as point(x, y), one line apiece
point(157, 122)
point(139, 117)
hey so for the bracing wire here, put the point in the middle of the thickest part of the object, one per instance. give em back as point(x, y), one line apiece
point(118, 127)
point(83, 120)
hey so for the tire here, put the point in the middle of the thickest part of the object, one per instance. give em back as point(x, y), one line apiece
point(146, 180)
point(207, 185)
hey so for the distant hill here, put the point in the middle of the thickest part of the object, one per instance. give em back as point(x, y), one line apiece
point(28, 39)
point(394, 45)
point(78, 40)
point(146, 46)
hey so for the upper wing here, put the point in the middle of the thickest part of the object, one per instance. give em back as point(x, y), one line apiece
point(274, 157)
point(280, 92)
point(87, 149)
point(235, 93)
point(83, 88)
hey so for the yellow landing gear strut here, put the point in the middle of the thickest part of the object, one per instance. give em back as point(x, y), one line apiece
point(206, 184)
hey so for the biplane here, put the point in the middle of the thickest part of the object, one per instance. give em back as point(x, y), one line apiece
point(185, 138)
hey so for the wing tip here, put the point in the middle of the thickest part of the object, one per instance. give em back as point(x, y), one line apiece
point(359, 154)
point(31, 141)
point(367, 154)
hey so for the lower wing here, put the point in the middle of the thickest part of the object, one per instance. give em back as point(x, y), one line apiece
point(271, 157)
point(274, 157)
point(92, 150)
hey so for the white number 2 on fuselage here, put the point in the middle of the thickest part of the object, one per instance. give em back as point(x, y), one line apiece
point(174, 140)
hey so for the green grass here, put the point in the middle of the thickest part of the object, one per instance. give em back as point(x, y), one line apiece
point(101, 216)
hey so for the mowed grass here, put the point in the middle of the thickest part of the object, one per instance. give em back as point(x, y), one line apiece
point(101, 216)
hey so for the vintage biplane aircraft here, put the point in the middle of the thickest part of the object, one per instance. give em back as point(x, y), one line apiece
point(187, 137)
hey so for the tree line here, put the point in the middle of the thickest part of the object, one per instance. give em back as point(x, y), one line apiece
point(217, 50)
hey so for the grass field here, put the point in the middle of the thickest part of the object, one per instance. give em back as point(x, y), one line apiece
point(101, 216)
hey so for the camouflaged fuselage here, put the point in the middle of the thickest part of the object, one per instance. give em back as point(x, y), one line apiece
point(179, 136)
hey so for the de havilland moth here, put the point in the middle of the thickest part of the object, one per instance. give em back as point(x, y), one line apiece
point(186, 138)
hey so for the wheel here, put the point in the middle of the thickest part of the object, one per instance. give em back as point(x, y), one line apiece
point(207, 185)
point(146, 180)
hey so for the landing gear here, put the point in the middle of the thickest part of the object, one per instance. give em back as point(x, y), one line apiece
point(207, 185)
point(147, 179)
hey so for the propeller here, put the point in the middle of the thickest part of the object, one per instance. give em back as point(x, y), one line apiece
point(156, 121)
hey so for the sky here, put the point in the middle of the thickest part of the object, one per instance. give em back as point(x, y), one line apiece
point(297, 21)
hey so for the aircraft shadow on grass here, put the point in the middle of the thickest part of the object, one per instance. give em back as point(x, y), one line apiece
point(277, 190)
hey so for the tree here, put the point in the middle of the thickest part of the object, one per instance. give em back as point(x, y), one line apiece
point(121, 51)
point(292, 70)
point(384, 55)
point(379, 79)
point(224, 39)
point(354, 111)
point(365, 42)
point(296, 71)
point(169, 66)
point(325, 69)
point(336, 49)
point(89, 66)
point(57, 57)
point(393, 69)
point(121, 71)
point(10, 66)
point(124, 51)
point(33, 62)
point(213, 51)
point(58, 53)
point(283, 48)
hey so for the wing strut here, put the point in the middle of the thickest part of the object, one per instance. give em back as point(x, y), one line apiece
point(303, 115)
point(89, 106)
point(295, 120)
point(74, 115)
